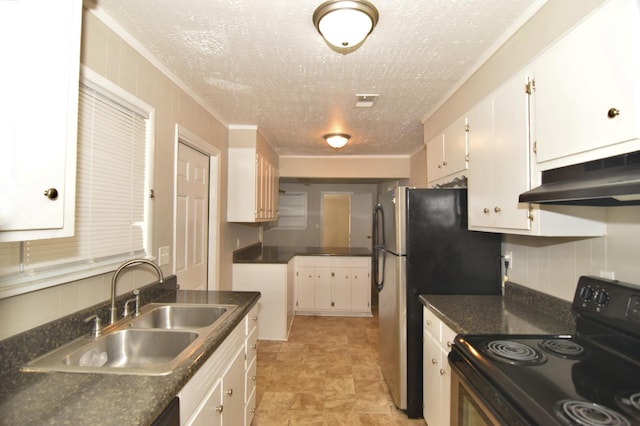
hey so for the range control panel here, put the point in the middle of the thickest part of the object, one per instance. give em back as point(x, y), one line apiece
point(607, 300)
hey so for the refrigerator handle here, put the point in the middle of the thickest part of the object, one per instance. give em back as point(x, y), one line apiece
point(377, 277)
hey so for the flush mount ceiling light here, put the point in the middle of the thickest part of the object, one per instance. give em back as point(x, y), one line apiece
point(345, 24)
point(337, 140)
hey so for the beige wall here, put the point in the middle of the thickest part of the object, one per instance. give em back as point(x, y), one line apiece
point(418, 161)
point(551, 265)
point(345, 166)
point(110, 56)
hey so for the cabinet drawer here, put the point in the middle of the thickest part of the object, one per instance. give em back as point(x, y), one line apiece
point(250, 380)
point(251, 349)
point(431, 324)
point(447, 337)
point(251, 321)
point(351, 262)
point(316, 261)
point(250, 409)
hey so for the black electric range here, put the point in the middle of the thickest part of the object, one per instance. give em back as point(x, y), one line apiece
point(590, 378)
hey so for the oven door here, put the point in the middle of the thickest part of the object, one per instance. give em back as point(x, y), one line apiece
point(474, 401)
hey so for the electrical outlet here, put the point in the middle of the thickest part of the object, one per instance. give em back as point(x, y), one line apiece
point(508, 257)
point(164, 256)
point(608, 275)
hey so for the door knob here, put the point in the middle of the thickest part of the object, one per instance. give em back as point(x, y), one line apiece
point(51, 193)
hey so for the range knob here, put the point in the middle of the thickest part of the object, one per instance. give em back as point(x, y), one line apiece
point(586, 293)
point(602, 297)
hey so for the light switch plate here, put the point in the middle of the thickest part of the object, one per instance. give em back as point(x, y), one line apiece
point(164, 257)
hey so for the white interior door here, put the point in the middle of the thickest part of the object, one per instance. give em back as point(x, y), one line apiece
point(192, 218)
point(361, 220)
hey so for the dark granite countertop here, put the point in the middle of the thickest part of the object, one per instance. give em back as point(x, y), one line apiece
point(519, 311)
point(257, 253)
point(104, 399)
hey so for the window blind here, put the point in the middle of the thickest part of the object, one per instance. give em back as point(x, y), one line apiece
point(110, 196)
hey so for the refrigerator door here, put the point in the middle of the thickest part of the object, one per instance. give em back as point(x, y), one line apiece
point(392, 328)
point(392, 296)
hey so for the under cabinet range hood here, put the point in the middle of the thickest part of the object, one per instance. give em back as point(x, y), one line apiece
point(613, 181)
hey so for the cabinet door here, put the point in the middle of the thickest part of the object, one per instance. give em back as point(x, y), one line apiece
point(305, 288)
point(432, 397)
point(323, 283)
point(40, 47)
point(435, 157)
point(591, 71)
point(482, 157)
point(360, 289)
point(511, 169)
point(455, 147)
point(233, 391)
point(209, 413)
point(342, 289)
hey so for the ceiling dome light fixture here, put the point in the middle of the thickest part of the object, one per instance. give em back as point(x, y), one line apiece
point(345, 24)
point(337, 140)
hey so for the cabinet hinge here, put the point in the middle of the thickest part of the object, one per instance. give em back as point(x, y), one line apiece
point(333, 304)
point(296, 303)
point(530, 213)
point(152, 194)
point(530, 87)
point(466, 128)
point(333, 274)
point(535, 147)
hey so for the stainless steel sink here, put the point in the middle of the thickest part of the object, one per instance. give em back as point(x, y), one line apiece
point(154, 343)
point(181, 316)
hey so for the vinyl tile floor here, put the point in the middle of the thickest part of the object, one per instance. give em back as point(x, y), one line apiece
point(327, 373)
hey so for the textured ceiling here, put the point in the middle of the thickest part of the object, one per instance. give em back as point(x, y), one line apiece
point(262, 62)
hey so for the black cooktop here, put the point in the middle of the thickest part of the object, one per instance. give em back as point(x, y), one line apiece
point(590, 378)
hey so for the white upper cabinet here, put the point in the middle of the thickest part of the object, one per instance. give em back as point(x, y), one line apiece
point(499, 159)
point(500, 170)
point(253, 177)
point(587, 89)
point(447, 153)
point(40, 50)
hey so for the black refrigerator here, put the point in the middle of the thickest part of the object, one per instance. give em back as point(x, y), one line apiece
point(422, 246)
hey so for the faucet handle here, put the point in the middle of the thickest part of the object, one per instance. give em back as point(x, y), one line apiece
point(96, 331)
point(136, 299)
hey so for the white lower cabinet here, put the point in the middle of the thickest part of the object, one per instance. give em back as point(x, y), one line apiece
point(333, 285)
point(275, 307)
point(218, 393)
point(436, 379)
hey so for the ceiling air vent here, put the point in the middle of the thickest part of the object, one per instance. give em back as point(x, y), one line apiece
point(366, 100)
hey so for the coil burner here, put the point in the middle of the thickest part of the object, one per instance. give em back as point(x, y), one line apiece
point(585, 413)
point(629, 402)
point(514, 352)
point(563, 348)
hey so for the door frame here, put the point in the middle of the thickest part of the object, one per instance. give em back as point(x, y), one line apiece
point(185, 136)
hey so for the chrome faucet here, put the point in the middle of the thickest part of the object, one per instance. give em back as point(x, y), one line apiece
point(113, 310)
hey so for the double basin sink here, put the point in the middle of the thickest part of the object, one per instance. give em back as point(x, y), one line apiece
point(154, 342)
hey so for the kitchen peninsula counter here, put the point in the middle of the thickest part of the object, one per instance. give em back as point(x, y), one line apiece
point(257, 253)
point(519, 311)
point(101, 399)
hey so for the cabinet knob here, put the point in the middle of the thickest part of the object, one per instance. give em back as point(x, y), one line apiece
point(255, 318)
point(434, 361)
point(229, 391)
point(486, 210)
point(51, 193)
point(613, 112)
point(442, 372)
point(444, 163)
point(253, 378)
point(439, 165)
point(449, 344)
point(254, 346)
point(219, 408)
point(428, 322)
point(497, 209)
